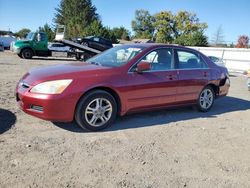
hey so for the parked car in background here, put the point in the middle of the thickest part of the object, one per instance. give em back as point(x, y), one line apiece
point(217, 60)
point(98, 43)
point(1, 47)
point(6, 40)
point(122, 80)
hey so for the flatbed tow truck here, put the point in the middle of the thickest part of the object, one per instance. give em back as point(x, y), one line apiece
point(36, 44)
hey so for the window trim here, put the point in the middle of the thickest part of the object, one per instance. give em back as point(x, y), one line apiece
point(158, 48)
point(188, 51)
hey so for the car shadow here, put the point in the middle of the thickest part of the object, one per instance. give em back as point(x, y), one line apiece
point(159, 117)
point(7, 120)
point(53, 59)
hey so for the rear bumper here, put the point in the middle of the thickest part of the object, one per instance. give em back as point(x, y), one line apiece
point(224, 87)
point(58, 108)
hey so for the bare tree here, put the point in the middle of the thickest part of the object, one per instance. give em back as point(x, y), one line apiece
point(218, 37)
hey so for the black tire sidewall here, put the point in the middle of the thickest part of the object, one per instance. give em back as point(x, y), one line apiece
point(85, 43)
point(200, 108)
point(24, 54)
point(84, 102)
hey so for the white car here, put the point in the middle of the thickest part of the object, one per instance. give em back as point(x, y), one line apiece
point(7, 40)
point(217, 61)
point(58, 47)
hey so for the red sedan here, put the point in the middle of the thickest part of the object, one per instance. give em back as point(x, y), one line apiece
point(121, 80)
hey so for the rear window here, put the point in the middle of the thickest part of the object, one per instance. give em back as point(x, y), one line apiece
point(190, 60)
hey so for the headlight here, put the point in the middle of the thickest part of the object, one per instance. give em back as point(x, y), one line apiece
point(51, 87)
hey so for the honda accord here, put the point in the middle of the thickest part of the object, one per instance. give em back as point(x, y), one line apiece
point(122, 80)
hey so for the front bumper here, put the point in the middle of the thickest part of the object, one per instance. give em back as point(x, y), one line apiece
point(57, 108)
point(16, 50)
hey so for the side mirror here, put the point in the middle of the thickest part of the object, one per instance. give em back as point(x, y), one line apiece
point(143, 66)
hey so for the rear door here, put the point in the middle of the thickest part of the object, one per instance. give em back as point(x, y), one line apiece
point(155, 87)
point(193, 74)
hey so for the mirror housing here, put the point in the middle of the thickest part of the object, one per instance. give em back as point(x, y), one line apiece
point(143, 66)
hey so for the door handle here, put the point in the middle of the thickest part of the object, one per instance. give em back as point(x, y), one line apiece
point(170, 77)
point(205, 74)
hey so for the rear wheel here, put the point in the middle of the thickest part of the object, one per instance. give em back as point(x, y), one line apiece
point(96, 111)
point(78, 56)
point(206, 99)
point(27, 53)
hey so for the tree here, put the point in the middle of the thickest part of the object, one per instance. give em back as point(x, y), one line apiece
point(163, 24)
point(218, 37)
point(143, 24)
point(77, 16)
point(22, 33)
point(97, 29)
point(242, 41)
point(193, 39)
point(121, 33)
point(49, 31)
point(170, 27)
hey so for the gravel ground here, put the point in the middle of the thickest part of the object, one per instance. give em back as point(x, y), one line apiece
point(167, 148)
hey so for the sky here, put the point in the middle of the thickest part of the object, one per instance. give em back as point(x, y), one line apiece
point(233, 16)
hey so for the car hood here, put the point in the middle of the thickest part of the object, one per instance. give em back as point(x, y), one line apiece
point(18, 42)
point(64, 71)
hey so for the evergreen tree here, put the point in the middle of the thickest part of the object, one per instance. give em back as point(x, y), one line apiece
point(49, 31)
point(76, 15)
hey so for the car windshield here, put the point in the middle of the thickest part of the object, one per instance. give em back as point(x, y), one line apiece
point(30, 36)
point(88, 37)
point(116, 57)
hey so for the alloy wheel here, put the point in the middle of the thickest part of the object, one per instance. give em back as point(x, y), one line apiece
point(98, 112)
point(206, 98)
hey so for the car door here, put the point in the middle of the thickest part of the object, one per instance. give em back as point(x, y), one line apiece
point(193, 75)
point(96, 44)
point(41, 42)
point(155, 87)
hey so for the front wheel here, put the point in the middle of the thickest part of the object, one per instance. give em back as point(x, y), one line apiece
point(20, 55)
point(206, 99)
point(96, 111)
point(27, 53)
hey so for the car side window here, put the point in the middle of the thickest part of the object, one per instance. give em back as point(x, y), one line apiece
point(189, 60)
point(96, 39)
point(160, 59)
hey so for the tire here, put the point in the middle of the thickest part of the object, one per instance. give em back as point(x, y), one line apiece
point(78, 56)
point(91, 117)
point(27, 53)
point(206, 99)
point(85, 44)
point(20, 55)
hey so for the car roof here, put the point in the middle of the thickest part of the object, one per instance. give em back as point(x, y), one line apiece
point(156, 45)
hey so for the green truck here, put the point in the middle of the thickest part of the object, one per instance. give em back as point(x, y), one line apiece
point(36, 44)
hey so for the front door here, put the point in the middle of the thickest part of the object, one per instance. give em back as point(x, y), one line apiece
point(40, 44)
point(155, 87)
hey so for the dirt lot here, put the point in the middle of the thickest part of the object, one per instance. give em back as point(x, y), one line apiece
point(167, 148)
